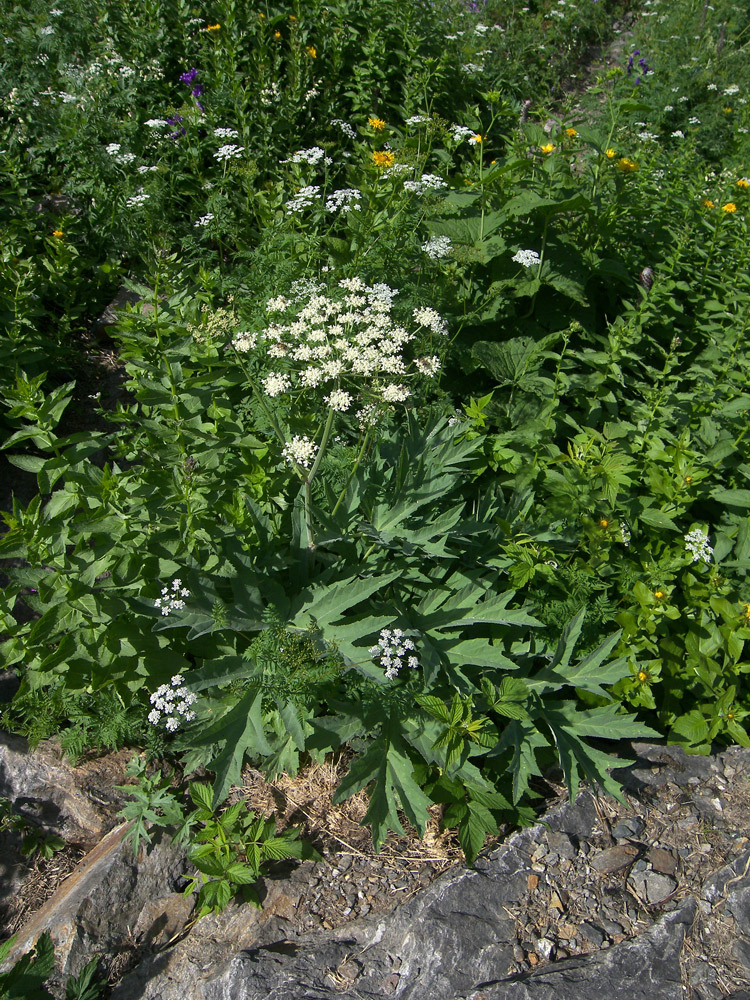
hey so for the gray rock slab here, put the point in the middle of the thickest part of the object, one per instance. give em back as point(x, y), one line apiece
point(646, 968)
point(97, 908)
point(442, 943)
point(47, 791)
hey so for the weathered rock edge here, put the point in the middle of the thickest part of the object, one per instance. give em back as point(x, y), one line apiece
point(454, 941)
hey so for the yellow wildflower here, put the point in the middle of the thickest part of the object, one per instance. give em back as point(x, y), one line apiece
point(658, 594)
point(729, 207)
point(277, 34)
point(292, 17)
point(549, 148)
point(604, 523)
point(626, 164)
point(58, 233)
point(727, 111)
point(377, 123)
point(747, 612)
point(261, 15)
point(688, 479)
point(707, 203)
point(610, 153)
point(571, 133)
point(477, 138)
point(383, 159)
point(642, 676)
point(743, 182)
point(311, 51)
point(213, 27)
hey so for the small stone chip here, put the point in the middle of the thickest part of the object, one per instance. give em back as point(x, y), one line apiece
point(662, 861)
point(533, 881)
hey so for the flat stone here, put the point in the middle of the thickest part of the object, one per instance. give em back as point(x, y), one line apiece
point(562, 844)
point(662, 861)
point(631, 826)
point(592, 933)
point(652, 887)
point(741, 952)
point(614, 859)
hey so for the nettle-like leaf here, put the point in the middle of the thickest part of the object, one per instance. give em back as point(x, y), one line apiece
point(387, 764)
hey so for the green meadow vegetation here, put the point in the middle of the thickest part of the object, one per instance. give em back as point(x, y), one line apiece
point(435, 442)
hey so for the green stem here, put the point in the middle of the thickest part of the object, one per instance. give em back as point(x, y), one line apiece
point(360, 456)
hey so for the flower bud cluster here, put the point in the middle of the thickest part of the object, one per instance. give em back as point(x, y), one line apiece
point(171, 600)
point(172, 704)
point(394, 651)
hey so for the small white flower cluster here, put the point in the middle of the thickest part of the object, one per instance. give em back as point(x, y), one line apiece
point(312, 156)
point(428, 366)
point(172, 701)
point(135, 200)
point(339, 400)
point(277, 304)
point(171, 600)
point(343, 200)
point(244, 342)
point(229, 152)
point(270, 94)
point(155, 123)
point(204, 220)
point(526, 257)
point(55, 12)
point(305, 198)
point(345, 127)
point(625, 533)
point(113, 148)
point(367, 416)
point(694, 121)
point(276, 385)
point(437, 247)
point(49, 30)
point(143, 169)
point(428, 317)
point(460, 132)
point(427, 182)
point(648, 136)
point(226, 133)
point(696, 543)
point(678, 134)
point(394, 651)
point(300, 451)
point(731, 89)
point(124, 158)
point(417, 120)
point(67, 98)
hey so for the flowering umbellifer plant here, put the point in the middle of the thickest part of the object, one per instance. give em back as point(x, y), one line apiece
point(335, 350)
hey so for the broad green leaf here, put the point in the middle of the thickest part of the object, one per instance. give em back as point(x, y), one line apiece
point(524, 739)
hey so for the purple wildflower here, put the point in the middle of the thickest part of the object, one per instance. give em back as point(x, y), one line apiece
point(189, 76)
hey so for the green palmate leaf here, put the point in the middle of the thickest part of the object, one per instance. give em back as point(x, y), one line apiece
point(578, 759)
point(387, 764)
point(476, 652)
point(523, 739)
point(325, 604)
point(241, 732)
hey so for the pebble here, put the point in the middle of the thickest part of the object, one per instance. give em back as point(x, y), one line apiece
point(611, 926)
point(652, 887)
point(632, 826)
point(545, 947)
point(614, 859)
